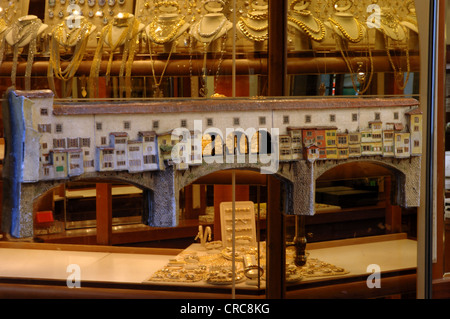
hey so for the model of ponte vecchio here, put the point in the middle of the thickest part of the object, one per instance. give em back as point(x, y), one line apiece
point(297, 140)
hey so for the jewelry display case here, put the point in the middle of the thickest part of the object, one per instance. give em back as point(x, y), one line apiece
point(127, 143)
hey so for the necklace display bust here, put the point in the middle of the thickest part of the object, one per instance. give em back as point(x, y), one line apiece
point(210, 28)
point(24, 30)
point(165, 29)
point(255, 26)
point(307, 27)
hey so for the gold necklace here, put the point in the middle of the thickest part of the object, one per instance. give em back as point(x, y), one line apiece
point(345, 33)
point(308, 30)
point(251, 36)
point(20, 32)
point(60, 37)
point(157, 91)
point(350, 68)
point(214, 32)
point(128, 36)
point(155, 27)
point(252, 27)
point(398, 74)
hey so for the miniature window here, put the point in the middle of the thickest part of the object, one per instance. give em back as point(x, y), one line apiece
point(98, 126)
point(416, 120)
point(286, 119)
point(183, 123)
point(58, 128)
point(72, 142)
point(354, 117)
point(85, 142)
point(155, 124)
point(395, 115)
point(59, 143)
point(126, 125)
point(103, 140)
point(236, 121)
point(45, 128)
point(44, 146)
point(332, 117)
point(209, 121)
point(86, 153)
point(262, 120)
point(307, 118)
point(44, 111)
point(377, 116)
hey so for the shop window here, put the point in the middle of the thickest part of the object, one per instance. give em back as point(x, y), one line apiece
point(307, 118)
point(286, 119)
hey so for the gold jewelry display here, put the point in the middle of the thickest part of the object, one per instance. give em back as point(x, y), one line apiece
point(244, 27)
point(130, 28)
point(63, 36)
point(157, 92)
point(345, 33)
point(315, 34)
point(361, 76)
point(157, 28)
point(395, 41)
point(24, 32)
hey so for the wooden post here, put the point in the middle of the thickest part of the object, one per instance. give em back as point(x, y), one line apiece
point(276, 244)
point(104, 214)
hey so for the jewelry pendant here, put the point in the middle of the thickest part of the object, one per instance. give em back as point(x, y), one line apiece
point(101, 3)
point(72, 2)
point(91, 3)
point(111, 12)
point(111, 3)
point(51, 3)
point(61, 14)
point(203, 91)
point(121, 2)
point(62, 1)
point(80, 1)
point(90, 13)
point(322, 89)
point(105, 20)
point(157, 92)
point(51, 14)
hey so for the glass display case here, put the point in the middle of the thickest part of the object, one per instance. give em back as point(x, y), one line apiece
point(214, 148)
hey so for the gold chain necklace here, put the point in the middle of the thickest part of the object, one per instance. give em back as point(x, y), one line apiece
point(20, 32)
point(345, 33)
point(398, 74)
point(308, 30)
point(252, 27)
point(54, 66)
point(155, 26)
point(251, 36)
point(214, 32)
point(128, 36)
point(157, 91)
point(350, 68)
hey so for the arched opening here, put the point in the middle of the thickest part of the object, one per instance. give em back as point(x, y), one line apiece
point(359, 199)
point(200, 201)
point(77, 211)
